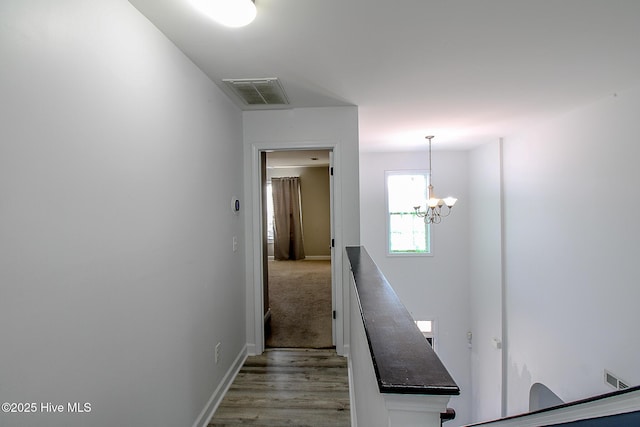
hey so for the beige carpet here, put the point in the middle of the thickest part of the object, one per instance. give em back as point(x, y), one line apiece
point(300, 301)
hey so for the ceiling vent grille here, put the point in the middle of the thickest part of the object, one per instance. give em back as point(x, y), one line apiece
point(614, 381)
point(267, 91)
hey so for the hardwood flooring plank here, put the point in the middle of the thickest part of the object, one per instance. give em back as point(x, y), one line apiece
point(299, 388)
point(280, 417)
point(290, 378)
point(288, 387)
point(294, 397)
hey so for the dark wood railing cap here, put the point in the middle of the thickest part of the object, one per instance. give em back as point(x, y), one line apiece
point(403, 360)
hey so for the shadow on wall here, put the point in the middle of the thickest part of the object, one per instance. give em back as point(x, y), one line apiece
point(541, 397)
point(519, 384)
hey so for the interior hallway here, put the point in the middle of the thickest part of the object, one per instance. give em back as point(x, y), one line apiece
point(288, 387)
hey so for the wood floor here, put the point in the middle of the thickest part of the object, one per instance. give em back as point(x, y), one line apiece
point(288, 387)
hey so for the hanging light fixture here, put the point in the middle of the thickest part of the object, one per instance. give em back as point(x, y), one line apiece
point(230, 13)
point(433, 213)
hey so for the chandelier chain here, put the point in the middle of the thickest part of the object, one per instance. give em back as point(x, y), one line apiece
point(433, 213)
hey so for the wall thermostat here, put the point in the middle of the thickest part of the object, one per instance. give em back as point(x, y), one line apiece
point(235, 204)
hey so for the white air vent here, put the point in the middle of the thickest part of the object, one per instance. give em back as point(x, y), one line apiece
point(614, 381)
point(267, 91)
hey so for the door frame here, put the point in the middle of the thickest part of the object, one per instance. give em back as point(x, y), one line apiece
point(255, 315)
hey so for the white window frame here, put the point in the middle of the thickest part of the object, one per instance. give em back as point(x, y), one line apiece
point(429, 249)
point(269, 203)
point(429, 335)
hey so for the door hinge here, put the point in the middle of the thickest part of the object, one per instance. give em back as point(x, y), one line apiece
point(333, 243)
point(331, 171)
point(334, 314)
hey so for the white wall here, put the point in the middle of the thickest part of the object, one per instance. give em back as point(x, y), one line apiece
point(118, 161)
point(569, 274)
point(434, 287)
point(571, 230)
point(311, 128)
point(485, 281)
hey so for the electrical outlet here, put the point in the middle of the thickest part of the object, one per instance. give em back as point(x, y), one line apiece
point(218, 349)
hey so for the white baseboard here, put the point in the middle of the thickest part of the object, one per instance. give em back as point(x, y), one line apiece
point(352, 399)
point(217, 396)
point(310, 257)
point(251, 350)
point(346, 348)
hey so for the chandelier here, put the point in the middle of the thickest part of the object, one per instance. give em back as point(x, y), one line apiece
point(434, 209)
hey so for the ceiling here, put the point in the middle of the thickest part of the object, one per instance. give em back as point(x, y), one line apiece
point(466, 71)
point(298, 158)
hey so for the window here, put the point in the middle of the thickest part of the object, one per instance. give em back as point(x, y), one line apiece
point(407, 233)
point(426, 327)
point(269, 212)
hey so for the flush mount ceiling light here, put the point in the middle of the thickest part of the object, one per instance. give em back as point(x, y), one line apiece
point(231, 13)
point(433, 214)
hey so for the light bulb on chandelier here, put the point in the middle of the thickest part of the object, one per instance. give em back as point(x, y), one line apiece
point(434, 206)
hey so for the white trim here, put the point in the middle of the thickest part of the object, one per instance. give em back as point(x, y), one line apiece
point(318, 257)
point(253, 240)
point(504, 310)
point(340, 288)
point(612, 405)
point(332, 251)
point(352, 395)
point(251, 350)
point(416, 403)
point(429, 240)
point(214, 401)
point(256, 244)
point(415, 410)
point(309, 257)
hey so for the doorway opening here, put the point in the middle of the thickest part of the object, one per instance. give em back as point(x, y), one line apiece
point(297, 233)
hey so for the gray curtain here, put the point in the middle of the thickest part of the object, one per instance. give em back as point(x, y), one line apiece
point(288, 241)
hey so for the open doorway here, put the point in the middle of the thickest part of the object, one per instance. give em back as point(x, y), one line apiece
point(297, 281)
